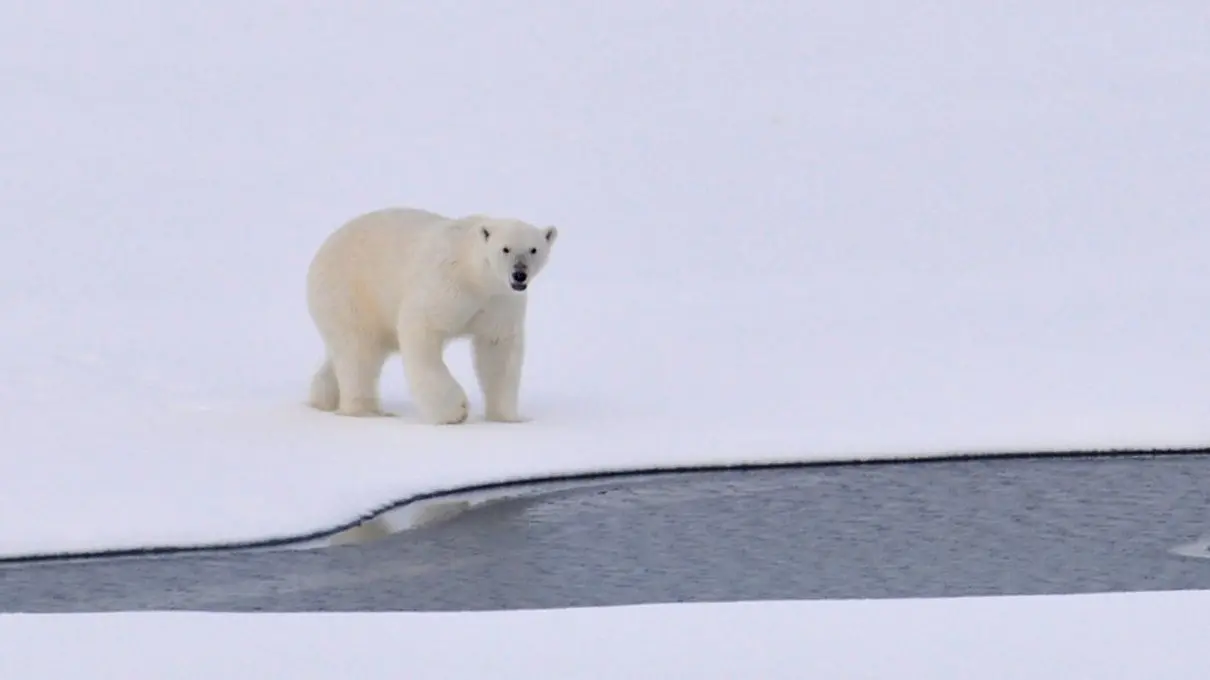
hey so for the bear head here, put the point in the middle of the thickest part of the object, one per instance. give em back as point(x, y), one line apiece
point(514, 252)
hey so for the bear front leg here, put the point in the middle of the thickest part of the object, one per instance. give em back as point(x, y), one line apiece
point(498, 366)
point(439, 397)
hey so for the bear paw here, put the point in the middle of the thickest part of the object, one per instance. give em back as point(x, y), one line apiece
point(506, 417)
point(360, 408)
point(455, 415)
point(450, 407)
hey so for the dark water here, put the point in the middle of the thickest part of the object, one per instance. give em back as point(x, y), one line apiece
point(1037, 526)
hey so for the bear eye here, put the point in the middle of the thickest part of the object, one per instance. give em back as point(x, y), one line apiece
point(506, 250)
point(533, 251)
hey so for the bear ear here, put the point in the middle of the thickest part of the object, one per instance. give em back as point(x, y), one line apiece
point(551, 234)
point(487, 234)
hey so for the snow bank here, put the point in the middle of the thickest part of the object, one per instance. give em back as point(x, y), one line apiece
point(788, 233)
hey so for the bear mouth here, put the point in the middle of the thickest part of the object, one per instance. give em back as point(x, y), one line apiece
point(519, 287)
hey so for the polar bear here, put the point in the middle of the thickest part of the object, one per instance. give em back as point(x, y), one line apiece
point(407, 280)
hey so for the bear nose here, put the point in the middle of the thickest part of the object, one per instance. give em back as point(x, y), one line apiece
point(519, 276)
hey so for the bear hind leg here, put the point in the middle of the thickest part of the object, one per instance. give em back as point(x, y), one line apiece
point(356, 370)
point(325, 392)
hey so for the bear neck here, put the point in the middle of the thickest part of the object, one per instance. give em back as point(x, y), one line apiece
point(474, 275)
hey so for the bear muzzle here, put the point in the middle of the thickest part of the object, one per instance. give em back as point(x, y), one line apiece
point(520, 280)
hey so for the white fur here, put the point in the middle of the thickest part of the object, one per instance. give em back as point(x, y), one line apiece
point(409, 281)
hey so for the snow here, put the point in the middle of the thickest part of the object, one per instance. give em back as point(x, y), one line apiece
point(788, 231)
point(1137, 635)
